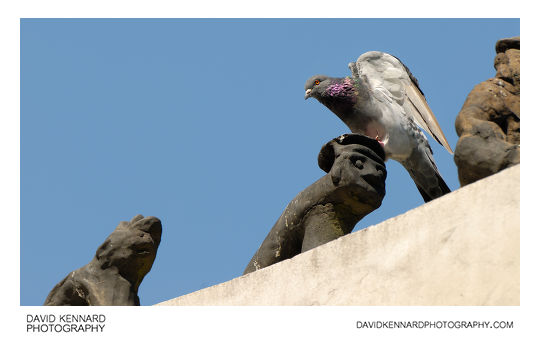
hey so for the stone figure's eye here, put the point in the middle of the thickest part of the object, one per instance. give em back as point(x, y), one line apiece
point(317, 82)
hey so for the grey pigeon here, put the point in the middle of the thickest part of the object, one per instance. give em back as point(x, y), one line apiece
point(382, 100)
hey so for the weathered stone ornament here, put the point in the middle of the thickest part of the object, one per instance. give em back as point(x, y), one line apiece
point(113, 276)
point(353, 187)
point(488, 124)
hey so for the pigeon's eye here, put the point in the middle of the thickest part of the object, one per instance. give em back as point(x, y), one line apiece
point(317, 82)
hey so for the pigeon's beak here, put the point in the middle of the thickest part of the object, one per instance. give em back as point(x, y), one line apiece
point(308, 94)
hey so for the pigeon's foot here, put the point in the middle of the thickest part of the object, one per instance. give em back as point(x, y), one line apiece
point(380, 140)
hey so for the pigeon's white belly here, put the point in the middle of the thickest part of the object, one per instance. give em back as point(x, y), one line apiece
point(402, 134)
point(400, 143)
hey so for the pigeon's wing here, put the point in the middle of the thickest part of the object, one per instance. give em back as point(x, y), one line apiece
point(391, 81)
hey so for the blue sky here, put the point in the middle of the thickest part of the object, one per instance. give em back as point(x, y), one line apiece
point(203, 124)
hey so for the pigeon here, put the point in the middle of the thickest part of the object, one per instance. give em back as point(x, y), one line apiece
point(383, 101)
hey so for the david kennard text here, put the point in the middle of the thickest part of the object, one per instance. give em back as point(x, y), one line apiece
point(65, 322)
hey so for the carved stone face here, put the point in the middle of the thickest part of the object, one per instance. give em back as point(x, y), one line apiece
point(355, 159)
point(131, 248)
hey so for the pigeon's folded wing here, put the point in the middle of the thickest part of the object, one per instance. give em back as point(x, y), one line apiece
point(391, 81)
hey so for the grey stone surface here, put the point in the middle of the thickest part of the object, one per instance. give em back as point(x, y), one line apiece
point(330, 207)
point(488, 124)
point(460, 249)
point(116, 271)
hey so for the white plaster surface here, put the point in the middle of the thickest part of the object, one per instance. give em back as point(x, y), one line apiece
point(460, 249)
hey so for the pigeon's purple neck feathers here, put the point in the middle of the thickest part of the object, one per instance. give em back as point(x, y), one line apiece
point(343, 89)
point(340, 95)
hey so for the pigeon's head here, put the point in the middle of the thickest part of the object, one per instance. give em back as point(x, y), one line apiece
point(316, 85)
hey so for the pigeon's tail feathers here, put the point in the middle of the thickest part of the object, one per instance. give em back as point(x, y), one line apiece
point(442, 186)
point(424, 172)
point(423, 193)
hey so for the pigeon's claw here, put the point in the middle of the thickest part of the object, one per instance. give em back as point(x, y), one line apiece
point(378, 138)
